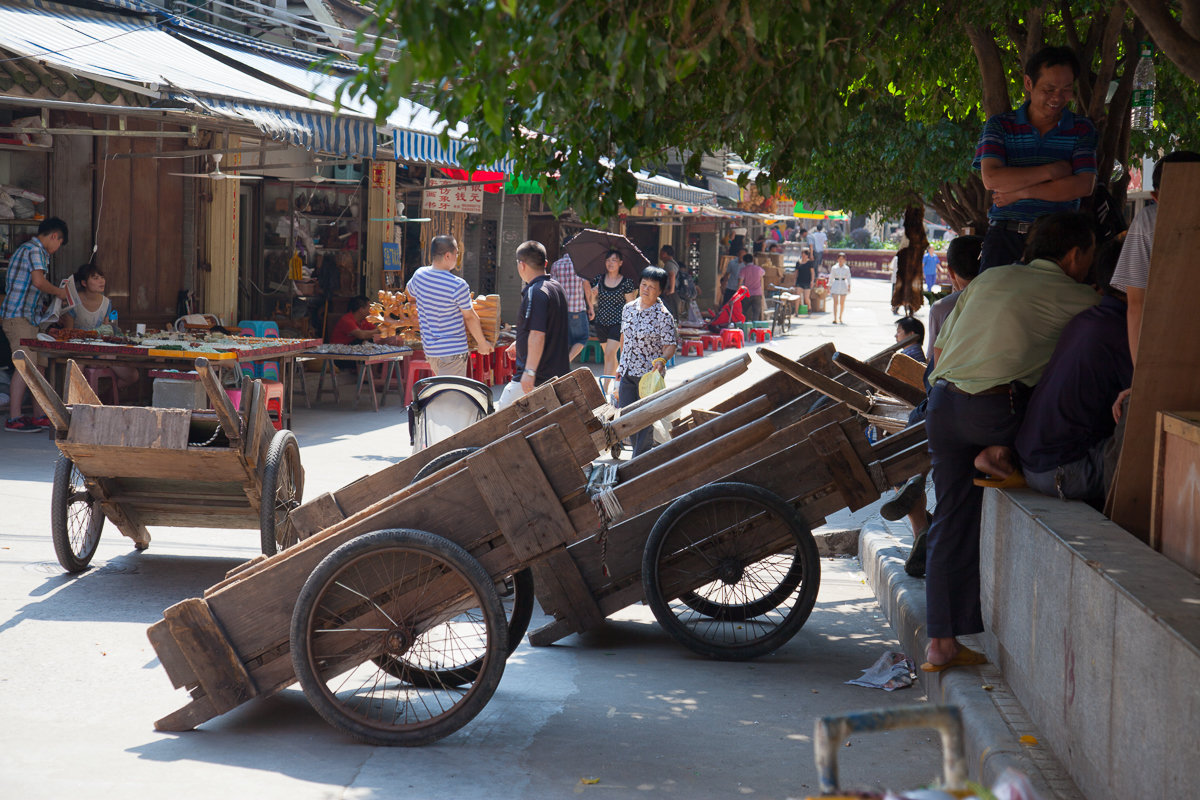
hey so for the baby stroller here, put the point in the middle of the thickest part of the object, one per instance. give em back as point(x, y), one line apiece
point(443, 406)
point(731, 312)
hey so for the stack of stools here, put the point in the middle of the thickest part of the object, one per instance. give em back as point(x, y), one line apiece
point(503, 366)
point(479, 368)
point(761, 331)
point(274, 393)
point(732, 337)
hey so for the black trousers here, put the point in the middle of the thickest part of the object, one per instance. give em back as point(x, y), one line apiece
point(1001, 246)
point(958, 426)
point(627, 393)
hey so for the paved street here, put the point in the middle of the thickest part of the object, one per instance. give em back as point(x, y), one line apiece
point(80, 685)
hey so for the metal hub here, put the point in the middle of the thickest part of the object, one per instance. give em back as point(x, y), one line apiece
point(730, 570)
point(397, 641)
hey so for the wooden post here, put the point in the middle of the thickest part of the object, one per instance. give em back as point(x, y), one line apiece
point(43, 392)
point(811, 378)
point(1166, 378)
point(221, 288)
point(381, 210)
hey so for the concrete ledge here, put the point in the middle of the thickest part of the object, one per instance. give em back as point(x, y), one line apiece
point(1099, 637)
point(993, 718)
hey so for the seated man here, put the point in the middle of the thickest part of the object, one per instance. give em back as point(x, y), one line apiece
point(353, 327)
point(992, 349)
point(1069, 424)
point(905, 327)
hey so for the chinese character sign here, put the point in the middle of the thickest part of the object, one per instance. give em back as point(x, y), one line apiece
point(459, 199)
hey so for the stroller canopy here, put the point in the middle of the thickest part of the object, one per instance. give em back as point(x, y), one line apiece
point(444, 405)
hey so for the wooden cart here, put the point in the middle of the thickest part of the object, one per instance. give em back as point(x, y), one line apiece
point(387, 612)
point(165, 466)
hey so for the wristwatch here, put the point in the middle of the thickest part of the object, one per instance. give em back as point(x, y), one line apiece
point(531, 373)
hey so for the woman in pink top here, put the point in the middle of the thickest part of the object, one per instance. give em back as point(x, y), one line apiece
point(752, 278)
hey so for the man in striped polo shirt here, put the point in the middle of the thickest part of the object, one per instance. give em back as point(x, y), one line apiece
point(1036, 160)
point(444, 310)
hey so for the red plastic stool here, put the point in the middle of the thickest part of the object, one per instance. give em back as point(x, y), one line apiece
point(414, 370)
point(693, 344)
point(503, 366)
point(94, 376)
point(712, 342)
point(761, 334)
point(732, 337)
point(480, 368)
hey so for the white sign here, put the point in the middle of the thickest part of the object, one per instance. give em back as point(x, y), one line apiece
point(460, 199)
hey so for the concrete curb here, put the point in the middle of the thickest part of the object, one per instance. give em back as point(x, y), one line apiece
point(993, 719)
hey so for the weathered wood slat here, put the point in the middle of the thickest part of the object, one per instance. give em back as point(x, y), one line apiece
point(561, 590)
point(217, 667)
point(649, 410)
point(202, 463)
point(43, 393)
point(218, 398)
point(78, 390)
point(907, 369)
point(816, 380)
point(121, 427)
point(881, 380)
point(849, 473)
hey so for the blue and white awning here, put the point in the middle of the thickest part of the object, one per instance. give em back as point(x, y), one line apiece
point(426, 147)
point(135, 53)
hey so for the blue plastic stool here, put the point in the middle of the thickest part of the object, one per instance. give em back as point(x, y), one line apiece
point(263, 329)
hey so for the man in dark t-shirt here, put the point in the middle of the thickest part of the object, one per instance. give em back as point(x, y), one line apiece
point(542, 347)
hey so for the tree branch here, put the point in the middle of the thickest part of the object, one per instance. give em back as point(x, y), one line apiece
point(1179, 43)
point(991, 69)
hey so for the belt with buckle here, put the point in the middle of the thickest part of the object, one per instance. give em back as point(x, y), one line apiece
point(1012, 225)
point(1001, 389)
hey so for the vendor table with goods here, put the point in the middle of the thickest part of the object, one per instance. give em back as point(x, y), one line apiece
point(156, 350)
point(364, 356)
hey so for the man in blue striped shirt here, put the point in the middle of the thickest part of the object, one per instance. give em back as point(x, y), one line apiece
point(444, 310)
point(1036, 160)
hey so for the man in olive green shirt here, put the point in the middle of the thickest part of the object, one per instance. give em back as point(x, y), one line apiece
point(991, 351)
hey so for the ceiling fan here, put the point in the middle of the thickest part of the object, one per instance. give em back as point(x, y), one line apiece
point(317, 177)
point(216, 174)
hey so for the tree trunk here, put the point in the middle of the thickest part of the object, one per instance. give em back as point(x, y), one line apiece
point(1178, 39)
point(991, 69)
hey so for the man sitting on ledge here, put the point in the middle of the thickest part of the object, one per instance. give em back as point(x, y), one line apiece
point(992, 348)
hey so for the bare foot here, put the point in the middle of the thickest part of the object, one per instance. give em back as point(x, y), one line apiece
point(941, 650)
point(996, 461)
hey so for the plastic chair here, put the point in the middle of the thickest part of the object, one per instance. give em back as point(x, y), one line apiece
point(712, 341)
point(414, 367)
point(95, 374)
point(264, 329)
point(732, 337)
point(761, 335)
point(694, 345)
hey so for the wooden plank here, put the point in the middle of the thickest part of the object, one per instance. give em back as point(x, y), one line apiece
point(581, 388)
point(259, 431)
point(1175, 524)
point(179, 670)
point(216, 665)
point(523, 503)
point(78, 390)
point(317, 514)
point(881, 380)
point(849, 473)
point(779, 388)
point(201, 463)
point(52, 406)
point(568, 419)
point(559, 464)
point(649, 410)
point(700, 416)
point(907, 369)
point(816, 380)
point(195, 713)
point(218, 398)
point(695, 439)
point(1166, 377)
point(128, 426)
point(562, 592)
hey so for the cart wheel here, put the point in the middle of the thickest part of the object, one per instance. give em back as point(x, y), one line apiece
point(695, 556)
point(411, 596)
point(282, 491)
point(75, 518)
point(516, 593)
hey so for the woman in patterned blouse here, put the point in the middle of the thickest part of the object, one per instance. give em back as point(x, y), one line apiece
point(610, 292)
point(647, 342)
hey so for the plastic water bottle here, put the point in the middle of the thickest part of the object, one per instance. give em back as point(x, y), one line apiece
point(112, 318)
point(1141, 106)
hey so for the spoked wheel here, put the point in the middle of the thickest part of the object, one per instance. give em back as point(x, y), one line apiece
point(730, 571)
point(76, 520)
point(409, 596)
point(516, 593)
point(282, 492)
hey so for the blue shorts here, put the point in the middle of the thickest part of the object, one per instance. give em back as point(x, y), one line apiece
point(578, 331)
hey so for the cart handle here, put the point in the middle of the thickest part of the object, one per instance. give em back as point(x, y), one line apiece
point(831, 731)
point(52, 405)
point(226, 413)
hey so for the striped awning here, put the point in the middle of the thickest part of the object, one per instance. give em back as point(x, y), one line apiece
point(135, 52)
point(426, 147)
point(673, 190)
